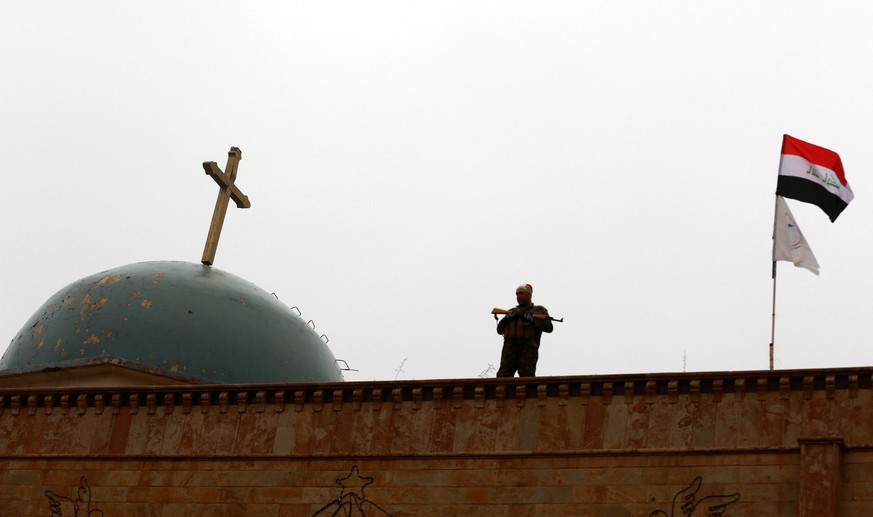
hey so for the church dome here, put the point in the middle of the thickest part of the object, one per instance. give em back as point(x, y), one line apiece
point(186, 321)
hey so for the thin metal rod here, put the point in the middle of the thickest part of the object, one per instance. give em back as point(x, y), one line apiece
point(773, 317)
point(773, 313)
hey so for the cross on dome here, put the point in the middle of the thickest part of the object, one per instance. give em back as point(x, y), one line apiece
point(227, 191)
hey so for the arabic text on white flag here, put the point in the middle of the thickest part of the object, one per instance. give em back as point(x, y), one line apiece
point(788, 241)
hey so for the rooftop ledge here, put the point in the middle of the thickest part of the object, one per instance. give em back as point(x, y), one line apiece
point(452, 392)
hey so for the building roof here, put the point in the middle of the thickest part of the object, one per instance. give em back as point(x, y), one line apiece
point(185, 321)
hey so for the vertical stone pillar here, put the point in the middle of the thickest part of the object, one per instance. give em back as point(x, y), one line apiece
point(819, 477)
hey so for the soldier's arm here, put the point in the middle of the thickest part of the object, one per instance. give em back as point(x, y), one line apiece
point(501, 325)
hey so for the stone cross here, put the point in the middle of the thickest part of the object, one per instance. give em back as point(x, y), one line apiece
point(227, 191)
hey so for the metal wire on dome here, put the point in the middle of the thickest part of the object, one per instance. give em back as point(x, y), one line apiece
point(347, 368)
point(311, 323)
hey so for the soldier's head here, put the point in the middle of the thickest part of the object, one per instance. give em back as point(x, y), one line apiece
point(523, 294)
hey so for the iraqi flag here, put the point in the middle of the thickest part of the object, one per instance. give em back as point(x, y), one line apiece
point(813, 174)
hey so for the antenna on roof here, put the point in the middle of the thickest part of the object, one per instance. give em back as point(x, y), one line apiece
point(399, 369)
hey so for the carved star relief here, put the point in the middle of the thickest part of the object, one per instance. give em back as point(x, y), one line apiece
point(353, 484)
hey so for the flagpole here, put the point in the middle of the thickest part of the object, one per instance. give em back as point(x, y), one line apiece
point(773, 317)
point(773, 312)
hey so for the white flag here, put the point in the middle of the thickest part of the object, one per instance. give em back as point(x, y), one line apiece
point(788, 241)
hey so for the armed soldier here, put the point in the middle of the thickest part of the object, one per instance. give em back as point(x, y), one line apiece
point(521, 329)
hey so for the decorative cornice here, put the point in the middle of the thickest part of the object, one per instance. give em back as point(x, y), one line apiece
point(440, 394)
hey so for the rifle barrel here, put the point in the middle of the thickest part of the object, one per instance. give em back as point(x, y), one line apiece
point(495, 311)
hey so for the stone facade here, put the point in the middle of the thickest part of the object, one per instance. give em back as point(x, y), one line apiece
point(784, 443)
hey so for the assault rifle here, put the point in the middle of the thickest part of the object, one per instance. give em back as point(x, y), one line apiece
point(495, 311)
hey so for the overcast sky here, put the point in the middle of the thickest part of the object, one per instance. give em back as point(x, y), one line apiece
point(410, 163)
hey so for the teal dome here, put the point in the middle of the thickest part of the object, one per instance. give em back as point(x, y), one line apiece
point(179, 319)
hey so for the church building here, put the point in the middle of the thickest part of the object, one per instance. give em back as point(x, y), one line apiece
point(161, 389)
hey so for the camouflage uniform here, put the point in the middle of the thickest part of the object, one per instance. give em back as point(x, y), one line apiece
point(521, 340)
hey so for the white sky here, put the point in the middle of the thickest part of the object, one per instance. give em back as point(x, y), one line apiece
point(410, 163)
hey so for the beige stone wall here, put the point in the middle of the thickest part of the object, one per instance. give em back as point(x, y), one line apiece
point(745, 444)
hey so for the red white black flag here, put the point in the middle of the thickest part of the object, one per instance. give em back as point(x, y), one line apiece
point(813, 174)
